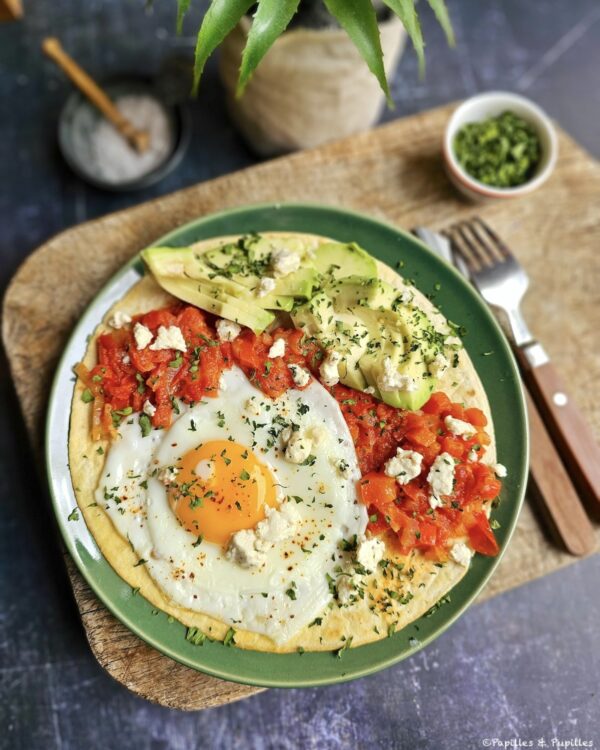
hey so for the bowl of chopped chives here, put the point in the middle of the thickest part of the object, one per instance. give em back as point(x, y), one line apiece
point(499, 145)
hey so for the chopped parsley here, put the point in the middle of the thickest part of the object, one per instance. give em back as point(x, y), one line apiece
point(229, 639)
point(145, 425)
point(195, 636)
point(339, 653)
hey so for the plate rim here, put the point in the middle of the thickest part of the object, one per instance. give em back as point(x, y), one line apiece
point(129, 620)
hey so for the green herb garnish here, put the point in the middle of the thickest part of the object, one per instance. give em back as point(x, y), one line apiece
point(145, 425)
point(195, 637)
point(501, 151)
point(229, 639)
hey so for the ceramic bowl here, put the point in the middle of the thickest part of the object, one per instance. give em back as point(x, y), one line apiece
point(492, 104)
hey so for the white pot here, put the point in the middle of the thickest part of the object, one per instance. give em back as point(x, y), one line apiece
point(311, 87)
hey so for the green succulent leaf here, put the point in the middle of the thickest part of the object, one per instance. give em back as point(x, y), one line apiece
point(182, 8)
point(441, 13)
point(270, 21)
point(407, 13)
point(220, 19)
point(358, 19)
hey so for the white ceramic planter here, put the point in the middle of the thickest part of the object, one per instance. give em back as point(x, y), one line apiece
point(311, 87)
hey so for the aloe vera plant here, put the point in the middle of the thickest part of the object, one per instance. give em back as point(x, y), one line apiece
point(271, 17)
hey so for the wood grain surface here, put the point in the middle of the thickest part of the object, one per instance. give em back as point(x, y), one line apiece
point(394, 173)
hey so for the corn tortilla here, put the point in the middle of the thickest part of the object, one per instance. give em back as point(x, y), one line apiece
point(366, 620)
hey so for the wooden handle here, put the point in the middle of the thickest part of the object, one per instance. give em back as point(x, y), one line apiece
point(10, 10)
point(139, 139)
point(554, 489)
point(569, 430)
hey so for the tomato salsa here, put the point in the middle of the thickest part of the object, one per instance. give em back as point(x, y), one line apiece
point(125, 378)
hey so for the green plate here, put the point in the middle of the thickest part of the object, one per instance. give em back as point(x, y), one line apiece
point(494, 362)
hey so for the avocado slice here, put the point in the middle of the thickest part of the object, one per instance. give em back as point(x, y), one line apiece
point(403, 343)
point(182, 263)
point(228, 268)
point(335, 260)
point(337, 330)
point(249, 259)
point(270, 301)
point(372, 293)
point(231, 308)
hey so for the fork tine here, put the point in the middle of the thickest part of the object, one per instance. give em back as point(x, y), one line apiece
point(485, 246)
point(469, 249)
point(499, 244)
point(472, 267)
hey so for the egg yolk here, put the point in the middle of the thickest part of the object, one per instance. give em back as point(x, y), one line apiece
point(221, 488)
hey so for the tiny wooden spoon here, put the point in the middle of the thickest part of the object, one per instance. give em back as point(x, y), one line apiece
point(138, 139)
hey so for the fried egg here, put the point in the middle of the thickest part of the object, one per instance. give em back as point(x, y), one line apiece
point(220, 473)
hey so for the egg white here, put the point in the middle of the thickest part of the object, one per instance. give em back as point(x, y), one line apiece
point(200, 577)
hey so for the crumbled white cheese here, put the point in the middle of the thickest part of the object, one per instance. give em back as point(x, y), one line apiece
point(405, 466)
point(265, 286)
point(169, 338)
point(369, 553)
point(142, 335)
point(435, 502)
point(370, 390)
point(461, 554)
point(344, 468)
point(252, 407)
point(204, 469)
point(298, 448)
point(441, 478)
point(284, 262)
point(168, 475)
point(126, 359)
point(473, 455)
point(277, 349)
point(459, 427)
point(248, 547)
point(500, 470)
point(278, 525)
point(439, 365)
point(227, 330)
point(300, 376)
point(391, 380)
point(242, 549)
point(119, 320)
point(329, 368)
point(346, 589)
point(148, 408)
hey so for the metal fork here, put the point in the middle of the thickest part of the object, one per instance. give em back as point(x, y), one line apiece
point(502, 282)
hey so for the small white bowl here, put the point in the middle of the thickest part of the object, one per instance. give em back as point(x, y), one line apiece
point(492, 104)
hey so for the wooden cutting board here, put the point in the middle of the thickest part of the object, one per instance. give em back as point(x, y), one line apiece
point(395, 173)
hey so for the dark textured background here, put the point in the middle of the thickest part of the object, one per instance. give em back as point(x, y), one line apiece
point(525, 665)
